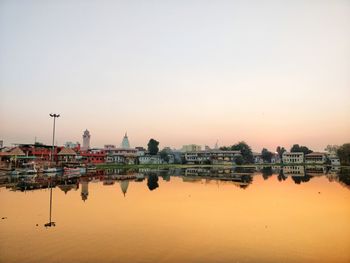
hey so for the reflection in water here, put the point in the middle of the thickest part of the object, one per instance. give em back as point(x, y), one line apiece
point(124, 186)
point(196, 215)
point(152, 181)
point(84, 190)
point(240, 176)
point(50, 223)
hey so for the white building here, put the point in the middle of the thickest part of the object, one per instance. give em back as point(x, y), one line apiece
point(86, 140)
point(150, 159)
point(213, 156)
point(293, 157)
point(316, 158)
point(258, 158)
point(125, 142)
point(334, 161)
point(71, 145)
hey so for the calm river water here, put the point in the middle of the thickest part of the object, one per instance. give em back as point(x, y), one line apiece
point(194, 215)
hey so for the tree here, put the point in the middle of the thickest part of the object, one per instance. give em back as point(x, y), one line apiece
point(238, 159)
point(164, 155)
point(246, 151)
point(266, 155)
point(153, 147)
point(280, 150)
point(344, 154)
point(303, 149)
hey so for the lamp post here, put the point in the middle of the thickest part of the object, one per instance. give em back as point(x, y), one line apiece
point(54, 115)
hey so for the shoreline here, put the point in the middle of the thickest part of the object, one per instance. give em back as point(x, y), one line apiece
point(130, 166)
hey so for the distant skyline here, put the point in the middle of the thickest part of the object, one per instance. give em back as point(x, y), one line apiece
point(269, 73)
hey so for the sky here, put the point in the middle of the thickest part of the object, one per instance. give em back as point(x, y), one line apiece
point(266, 72)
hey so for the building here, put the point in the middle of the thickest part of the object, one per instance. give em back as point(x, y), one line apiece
point(121, 155)
point(316, 158)
point(150, 159)
point(191, 148)
point(212, 156)
point(72, 145)
point(293, 157)
point(109, 146)
point(86, 140)
point(121, 158)
point(258, 158)
point(66, 155)
point(125, 142)
point(1, 144)
point(334, 160)
point(275, 158)
point(93, 156)
point(41, 151)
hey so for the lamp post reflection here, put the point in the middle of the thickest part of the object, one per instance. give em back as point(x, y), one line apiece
point(50, 223)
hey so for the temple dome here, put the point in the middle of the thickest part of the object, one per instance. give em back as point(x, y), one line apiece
point(125, 142)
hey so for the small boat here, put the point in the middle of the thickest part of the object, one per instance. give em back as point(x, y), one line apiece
point(50, 170)
point(31, 169)
point(71, 170)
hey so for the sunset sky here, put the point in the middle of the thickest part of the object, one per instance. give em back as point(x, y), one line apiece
point(266, 72)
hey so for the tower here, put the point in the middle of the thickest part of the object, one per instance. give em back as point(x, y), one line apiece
point(125, 142)
point(86, 140)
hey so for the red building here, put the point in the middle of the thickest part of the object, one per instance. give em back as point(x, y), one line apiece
point(93, 156)
point(40, 151)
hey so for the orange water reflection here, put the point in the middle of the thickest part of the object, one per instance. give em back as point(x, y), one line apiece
point(184, 219)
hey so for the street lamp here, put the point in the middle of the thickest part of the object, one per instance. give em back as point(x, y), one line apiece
point(54, 115)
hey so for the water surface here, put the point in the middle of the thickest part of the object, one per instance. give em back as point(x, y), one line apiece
point(193, 215)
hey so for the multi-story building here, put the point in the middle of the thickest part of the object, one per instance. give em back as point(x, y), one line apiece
point(293, 157)
point(191, 148)
point(93, 156)
point(316, 158)
point(150, 159)
point(212, 156)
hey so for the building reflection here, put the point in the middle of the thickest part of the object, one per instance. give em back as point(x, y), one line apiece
point(84, 190)
point(238, 176)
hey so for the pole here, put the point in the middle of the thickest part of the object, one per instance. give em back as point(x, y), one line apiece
point(54, 115)
point(53, 137)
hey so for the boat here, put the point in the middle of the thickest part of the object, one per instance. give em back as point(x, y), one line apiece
point(31, 169)
point(52, 170)
point(68, 170)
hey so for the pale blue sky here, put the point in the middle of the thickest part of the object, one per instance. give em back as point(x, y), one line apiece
point(268, 72)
